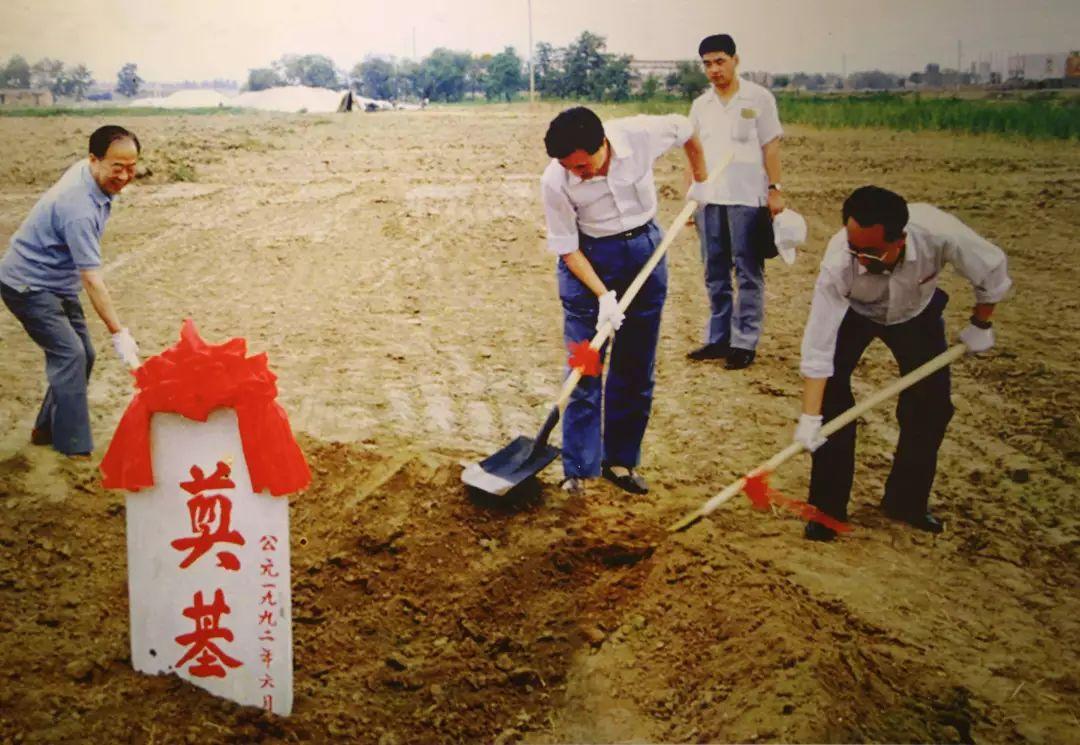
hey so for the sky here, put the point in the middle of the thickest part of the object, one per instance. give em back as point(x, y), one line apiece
point(173, 40)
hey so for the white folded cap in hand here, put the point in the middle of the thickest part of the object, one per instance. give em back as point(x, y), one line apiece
point(789, 229)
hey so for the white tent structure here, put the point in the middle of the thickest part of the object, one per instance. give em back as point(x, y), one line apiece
point(291, 98)
point(186, 99)
point(365, 104)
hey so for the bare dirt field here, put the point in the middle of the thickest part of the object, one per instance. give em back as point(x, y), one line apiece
point(392, 267)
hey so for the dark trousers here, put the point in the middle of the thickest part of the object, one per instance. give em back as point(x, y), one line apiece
point(923, 412)
point(626, 396)
point(57, 324)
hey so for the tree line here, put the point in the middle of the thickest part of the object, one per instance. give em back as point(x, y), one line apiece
point(46, 74)
point(61, 79)
point(444, 75)
point(583, 69)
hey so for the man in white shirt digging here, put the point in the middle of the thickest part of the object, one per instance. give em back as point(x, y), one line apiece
point(878, 280)
point(599, 202)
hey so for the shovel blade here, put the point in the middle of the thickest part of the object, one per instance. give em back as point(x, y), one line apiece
point(507, 468)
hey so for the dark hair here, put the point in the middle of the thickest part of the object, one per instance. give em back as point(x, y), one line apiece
point(872, 205)
point(717, 43)
point(574, 129)
point(107, 135)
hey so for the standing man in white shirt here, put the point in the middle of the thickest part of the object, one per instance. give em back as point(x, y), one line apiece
point(878, 280)
point(739, 117)
point(599, 202)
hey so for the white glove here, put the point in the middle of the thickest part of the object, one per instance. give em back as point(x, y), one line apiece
point(609, 311)
point(808, 433)
point(977, 339)
point(697, 192)
point(126, 348)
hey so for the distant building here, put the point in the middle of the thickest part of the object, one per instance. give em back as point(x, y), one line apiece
point(658, 68)
point(1072, 69)
point(1036, 67)
point(759, 77)
point(24, 98)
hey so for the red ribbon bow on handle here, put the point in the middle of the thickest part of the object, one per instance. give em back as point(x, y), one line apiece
point(585, 358)
point(761, 496)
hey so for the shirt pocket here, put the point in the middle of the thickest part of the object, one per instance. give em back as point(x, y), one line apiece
point(744, 125)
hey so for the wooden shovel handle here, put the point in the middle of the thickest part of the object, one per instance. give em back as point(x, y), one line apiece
point(945, 358)
point(606, 330)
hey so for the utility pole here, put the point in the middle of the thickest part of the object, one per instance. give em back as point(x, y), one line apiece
point(959, 63)
point(532, 74)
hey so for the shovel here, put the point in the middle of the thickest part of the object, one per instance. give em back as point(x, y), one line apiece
point(525, 457)
point(945, 358)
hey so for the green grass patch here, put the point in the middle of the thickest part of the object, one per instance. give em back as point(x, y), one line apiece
point(182, 172)
point(1042, 115)
point(1034, 117)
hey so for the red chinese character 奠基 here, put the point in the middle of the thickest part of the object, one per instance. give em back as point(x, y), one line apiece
point(208, 627)
point(210, 517)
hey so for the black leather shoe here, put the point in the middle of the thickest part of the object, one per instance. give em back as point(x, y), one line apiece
point(737, 358)
point(40, 437)
point(925, 521)
point(715, 351)
point(632, 482)
point(817, 532)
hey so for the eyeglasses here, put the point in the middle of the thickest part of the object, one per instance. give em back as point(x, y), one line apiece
point(869, 254)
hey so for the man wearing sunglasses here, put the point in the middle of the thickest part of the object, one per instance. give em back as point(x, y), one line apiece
point(878, 280)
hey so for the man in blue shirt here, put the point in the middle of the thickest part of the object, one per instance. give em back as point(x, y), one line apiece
point(54, 252)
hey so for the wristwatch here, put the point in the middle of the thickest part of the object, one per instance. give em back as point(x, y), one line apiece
point(775, 187)
point(979, 323)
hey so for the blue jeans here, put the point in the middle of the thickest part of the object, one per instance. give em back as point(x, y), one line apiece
point(57, 324)
point(727, 234)
point(923, 411)
point(625, 399)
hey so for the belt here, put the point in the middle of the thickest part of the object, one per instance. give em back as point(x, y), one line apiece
point(624, 235)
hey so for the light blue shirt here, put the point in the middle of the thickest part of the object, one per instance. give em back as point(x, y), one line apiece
point(60, 236)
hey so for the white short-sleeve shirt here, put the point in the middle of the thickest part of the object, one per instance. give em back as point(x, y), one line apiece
point(624, 199)
point(934, 238)
point(742, 126)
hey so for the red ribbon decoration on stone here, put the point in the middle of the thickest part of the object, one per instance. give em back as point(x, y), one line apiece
point(761, 496)
point(585, 358)
point(192, 379)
